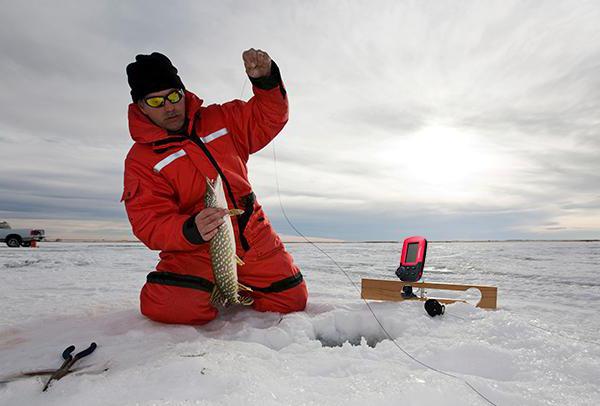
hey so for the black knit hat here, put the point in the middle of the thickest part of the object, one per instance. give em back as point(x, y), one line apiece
point(151, 73)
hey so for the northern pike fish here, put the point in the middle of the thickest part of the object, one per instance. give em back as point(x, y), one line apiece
point(222, 252)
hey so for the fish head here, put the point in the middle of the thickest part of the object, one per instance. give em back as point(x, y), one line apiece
point(209, 195)
point(215, 194)
point(210, 188)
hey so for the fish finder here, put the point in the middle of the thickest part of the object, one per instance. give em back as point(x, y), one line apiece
point(412, 262)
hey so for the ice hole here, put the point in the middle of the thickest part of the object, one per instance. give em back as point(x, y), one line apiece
point(371, 341)
point(356, 328)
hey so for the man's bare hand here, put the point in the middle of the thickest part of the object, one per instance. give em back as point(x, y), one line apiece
point(209, 220)
point(257, 63)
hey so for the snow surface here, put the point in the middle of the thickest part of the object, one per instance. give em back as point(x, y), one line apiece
point(540, 348)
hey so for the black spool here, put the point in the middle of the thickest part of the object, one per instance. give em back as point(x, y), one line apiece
point(434, 308)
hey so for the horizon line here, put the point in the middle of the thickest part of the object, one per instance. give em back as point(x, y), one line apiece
point(351, 241)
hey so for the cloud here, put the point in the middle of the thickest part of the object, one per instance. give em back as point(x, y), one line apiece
point(514, 83)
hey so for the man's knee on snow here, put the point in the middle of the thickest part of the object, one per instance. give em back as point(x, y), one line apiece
point(288, 301)
point(176, 305)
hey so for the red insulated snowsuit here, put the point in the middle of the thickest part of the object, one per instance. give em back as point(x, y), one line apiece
point(164, 189)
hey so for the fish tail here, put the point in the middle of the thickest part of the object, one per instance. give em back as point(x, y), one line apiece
point(245, 300)
point(243, 288)
point(216, 297)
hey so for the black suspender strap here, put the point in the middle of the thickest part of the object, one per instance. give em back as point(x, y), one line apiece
point(217, 167)
point(214, 163)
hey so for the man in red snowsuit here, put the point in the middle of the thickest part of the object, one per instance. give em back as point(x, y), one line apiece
point(178, 144)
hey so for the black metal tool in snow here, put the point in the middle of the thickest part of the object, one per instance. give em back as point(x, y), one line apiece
point(70, 360)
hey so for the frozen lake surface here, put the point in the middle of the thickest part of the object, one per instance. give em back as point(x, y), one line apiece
point(541, 347)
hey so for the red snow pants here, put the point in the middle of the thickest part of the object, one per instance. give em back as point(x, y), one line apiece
point(176, 298)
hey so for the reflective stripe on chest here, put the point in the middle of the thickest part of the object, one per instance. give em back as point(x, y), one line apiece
point(213, 136)
point(166, 161)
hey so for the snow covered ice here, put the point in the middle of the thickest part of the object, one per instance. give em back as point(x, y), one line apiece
point(541, 347)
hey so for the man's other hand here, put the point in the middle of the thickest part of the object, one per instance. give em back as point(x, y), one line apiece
point(209, 220)
point(257, 63)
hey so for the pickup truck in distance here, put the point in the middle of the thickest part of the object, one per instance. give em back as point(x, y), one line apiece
point(19, 237)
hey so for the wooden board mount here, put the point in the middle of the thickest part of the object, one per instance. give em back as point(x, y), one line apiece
point(378, 289)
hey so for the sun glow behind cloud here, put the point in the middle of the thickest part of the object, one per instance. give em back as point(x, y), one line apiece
point(481, 113)
point(442, 163)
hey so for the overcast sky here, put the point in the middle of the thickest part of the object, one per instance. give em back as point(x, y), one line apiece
point(448, 119)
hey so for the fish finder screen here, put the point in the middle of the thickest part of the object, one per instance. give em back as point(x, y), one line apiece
point(411, 252)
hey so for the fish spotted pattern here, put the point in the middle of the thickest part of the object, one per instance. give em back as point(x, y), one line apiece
point(222, 252)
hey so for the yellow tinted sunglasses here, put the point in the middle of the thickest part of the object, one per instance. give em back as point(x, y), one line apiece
point(158, 101)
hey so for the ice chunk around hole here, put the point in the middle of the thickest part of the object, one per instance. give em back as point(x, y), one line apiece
point(356, 327)
point(355, 341)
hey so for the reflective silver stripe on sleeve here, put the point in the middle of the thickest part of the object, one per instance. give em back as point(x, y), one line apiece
point(159, 166)
point(214, 136)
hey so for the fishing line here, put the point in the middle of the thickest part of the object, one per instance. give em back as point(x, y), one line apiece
point(562, 335)
point(389, 336)
point(358, 290)
point(558, 333)
point(243, 88)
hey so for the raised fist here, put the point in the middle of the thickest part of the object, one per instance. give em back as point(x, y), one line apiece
point(257, 63)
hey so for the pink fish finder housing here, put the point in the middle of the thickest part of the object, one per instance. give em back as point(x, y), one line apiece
point(412, 262)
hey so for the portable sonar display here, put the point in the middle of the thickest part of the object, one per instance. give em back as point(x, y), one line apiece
point(412, 262)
